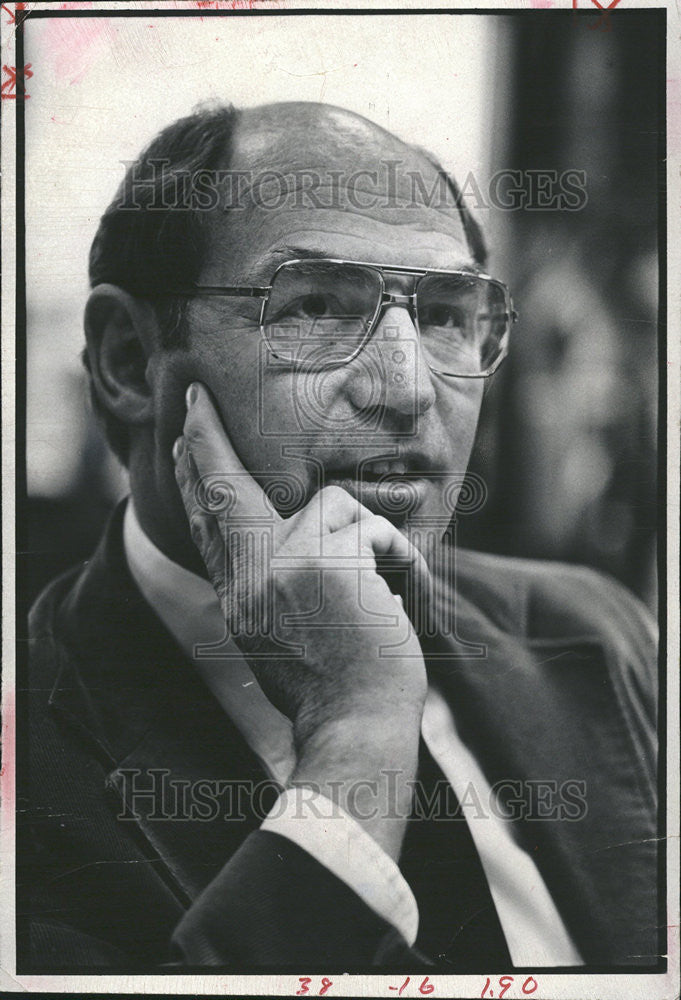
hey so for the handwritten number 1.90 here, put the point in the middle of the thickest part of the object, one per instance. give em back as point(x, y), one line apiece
point(505, 983)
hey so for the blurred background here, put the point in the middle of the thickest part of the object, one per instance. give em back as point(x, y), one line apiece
point(568, 436)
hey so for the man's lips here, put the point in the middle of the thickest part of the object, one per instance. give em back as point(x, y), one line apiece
point(394, 495)
point(407, 464)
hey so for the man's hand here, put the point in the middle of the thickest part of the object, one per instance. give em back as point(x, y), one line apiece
point(315, 620)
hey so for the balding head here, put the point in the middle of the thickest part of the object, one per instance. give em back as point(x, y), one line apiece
point(319, 156)
point(214, 185)
point(304, 127)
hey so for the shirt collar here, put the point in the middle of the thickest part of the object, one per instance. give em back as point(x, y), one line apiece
point(189, 608)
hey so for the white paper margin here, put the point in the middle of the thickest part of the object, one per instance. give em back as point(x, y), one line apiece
point(559, 986)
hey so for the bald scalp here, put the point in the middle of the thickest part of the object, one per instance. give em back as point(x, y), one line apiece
point(301, 121)
point(303, 137)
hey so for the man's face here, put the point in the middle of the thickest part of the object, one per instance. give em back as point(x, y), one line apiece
point(309, 429)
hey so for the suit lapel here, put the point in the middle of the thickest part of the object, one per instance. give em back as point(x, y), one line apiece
point(126, 686)
point(546, 712)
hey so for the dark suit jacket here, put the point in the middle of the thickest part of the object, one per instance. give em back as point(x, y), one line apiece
point(566, 691)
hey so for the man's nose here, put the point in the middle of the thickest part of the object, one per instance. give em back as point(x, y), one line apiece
point(392, 372)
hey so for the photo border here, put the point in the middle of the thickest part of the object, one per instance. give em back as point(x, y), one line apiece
point(565, 981)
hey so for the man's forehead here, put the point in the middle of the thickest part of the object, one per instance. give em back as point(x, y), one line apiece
point(296, 131)
point(316, 147)
point(335, 176)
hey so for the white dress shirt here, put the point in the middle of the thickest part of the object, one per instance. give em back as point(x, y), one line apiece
point(188, 607)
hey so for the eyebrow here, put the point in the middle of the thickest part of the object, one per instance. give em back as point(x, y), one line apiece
point(289, 252)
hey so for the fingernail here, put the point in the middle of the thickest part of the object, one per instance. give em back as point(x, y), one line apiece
point(194, 472)
point(192, 394)
point(178, 448)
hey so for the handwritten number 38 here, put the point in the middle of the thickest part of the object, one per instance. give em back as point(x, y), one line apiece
point(305, 986)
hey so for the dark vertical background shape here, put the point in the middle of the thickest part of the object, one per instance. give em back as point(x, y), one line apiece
point(569, 432)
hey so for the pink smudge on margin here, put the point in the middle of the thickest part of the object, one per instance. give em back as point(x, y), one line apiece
point(8, 757)
point(226, 4)
point(541, 4)
point(74, 44)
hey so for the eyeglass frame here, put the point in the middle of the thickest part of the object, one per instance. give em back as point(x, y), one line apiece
point(385, 298)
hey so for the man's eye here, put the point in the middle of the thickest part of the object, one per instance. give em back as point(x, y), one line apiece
point(442, 315)
point(312, 306)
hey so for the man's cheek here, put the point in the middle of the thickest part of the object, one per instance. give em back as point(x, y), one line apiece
point(291, 407)
point(169, 378)
point(459, 412)
point(461, 397)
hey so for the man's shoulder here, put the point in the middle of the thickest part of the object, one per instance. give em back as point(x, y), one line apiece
point(46, 647)
point(46, 606)
point(545, 598)
point(502, 572)
point(92, 604)
point(566, 612)
point(86, 587)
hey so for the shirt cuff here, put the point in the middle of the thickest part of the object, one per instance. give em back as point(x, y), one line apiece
point(338, 842)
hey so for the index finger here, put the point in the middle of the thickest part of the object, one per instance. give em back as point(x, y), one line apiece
point(218, 466)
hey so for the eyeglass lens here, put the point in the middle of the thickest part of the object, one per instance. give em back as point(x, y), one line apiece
point(319, 312)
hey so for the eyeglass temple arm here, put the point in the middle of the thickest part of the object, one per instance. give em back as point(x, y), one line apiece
point(248, 291)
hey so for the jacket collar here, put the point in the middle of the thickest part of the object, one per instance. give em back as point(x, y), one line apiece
point(128, 688)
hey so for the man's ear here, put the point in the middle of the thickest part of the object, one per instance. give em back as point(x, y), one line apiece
point(121, 333)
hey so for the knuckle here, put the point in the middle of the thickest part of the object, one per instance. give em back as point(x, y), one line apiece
point(382, 523)
point(194, 434)
point(381, 527)
point(336, 494)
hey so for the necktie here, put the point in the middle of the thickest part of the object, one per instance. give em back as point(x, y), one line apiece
point(458, 923)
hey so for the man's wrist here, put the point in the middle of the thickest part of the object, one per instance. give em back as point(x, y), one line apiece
point(366, 766)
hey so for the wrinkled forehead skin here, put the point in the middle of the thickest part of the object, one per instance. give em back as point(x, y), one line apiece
point(351, 188)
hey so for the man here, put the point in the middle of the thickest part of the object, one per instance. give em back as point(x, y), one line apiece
point(278, 610)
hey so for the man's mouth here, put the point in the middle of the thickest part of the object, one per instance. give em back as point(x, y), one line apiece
point(383, 467)
point(389, 487)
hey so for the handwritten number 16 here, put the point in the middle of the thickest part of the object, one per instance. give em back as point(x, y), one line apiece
point(425, 988)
